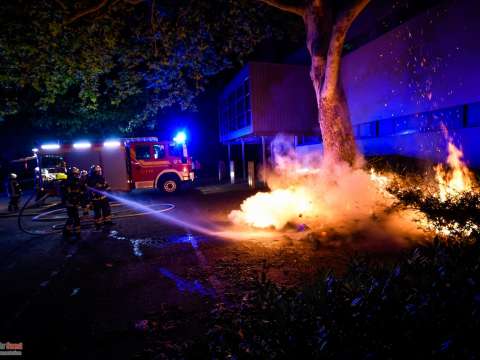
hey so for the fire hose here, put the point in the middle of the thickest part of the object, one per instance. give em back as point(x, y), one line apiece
point(51, 216)
point(37, 202)
point(20, 216)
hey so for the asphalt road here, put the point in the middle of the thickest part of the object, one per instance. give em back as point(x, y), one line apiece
point(97, 297)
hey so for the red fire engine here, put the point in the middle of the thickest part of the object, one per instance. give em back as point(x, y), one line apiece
point(133, 163)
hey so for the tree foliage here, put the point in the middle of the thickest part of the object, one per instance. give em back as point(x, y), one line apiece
point(86, 65)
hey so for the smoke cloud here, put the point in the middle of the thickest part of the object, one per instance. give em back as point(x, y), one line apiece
point(311, 191)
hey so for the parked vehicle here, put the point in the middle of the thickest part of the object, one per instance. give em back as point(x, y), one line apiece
point(131, 163)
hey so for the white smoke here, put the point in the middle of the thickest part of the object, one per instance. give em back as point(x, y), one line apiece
point(324, 195)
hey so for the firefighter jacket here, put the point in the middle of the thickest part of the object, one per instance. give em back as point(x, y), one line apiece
point(98, 182)
point(74, 191)
point(14, 189)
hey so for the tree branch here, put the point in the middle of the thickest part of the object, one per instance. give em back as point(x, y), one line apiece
point(86, 12)
point(297, 10)
point(97, 7)
point(337, 40)
point(134, 2)
point(62, 5)
point(351, 13)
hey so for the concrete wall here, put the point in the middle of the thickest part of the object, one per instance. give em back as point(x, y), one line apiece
point(431, 146)
point(431, 62)
point(426, 145)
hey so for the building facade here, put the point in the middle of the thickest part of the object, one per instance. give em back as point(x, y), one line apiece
point(402, 89)
point(404, 86)
point(264, 100)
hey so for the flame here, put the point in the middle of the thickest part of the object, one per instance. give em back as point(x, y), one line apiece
point(456, 179)
point(316, 192)
point(275, 208)
point(381, 181)
point(446, 230)
point(325, 196)
point(453, 181)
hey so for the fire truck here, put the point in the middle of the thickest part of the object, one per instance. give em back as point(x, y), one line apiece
point(130, 163)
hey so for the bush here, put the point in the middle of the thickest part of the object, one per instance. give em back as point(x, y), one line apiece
point(425, 306)
point(459, 216)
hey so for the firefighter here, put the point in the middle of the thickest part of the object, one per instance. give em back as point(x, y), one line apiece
point(14, 192)
point(85, 201)
point(101, 206)
point(73, 191)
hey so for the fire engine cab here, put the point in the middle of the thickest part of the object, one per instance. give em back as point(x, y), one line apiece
point(131, 163)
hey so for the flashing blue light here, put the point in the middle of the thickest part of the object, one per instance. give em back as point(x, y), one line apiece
point(180, 138)
point(111, 143)
point(50, 146)
point(82, 145)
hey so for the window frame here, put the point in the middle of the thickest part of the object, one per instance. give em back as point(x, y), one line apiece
point(149, 146)
point(164, 152)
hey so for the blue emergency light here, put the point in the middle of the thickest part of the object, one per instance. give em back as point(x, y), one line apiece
point(50, 146)
point(82, 145)
point(111, 143)
point(180, 138)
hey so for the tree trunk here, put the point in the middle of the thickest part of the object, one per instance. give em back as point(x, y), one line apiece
point(326, 32)
point(336, 127)
point(333, 114)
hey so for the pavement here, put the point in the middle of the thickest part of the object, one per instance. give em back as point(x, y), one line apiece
point(100, 296)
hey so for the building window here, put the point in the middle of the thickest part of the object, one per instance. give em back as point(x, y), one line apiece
point(473, 115)
point(235, 108)
point(366, 130)
point(452, 118)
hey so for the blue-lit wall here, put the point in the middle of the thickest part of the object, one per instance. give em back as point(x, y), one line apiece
point(402, 86)
point(426, 145)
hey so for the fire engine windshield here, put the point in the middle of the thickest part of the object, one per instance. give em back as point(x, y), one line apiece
point(176, 150)
point(53, 163)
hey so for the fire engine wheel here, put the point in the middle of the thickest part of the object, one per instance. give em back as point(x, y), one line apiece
point(168, 184)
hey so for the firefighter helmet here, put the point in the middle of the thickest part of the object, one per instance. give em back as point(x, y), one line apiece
point(95, 170)
point(74, 171)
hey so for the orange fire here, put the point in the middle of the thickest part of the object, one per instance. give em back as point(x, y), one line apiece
point(319, 194)
point(456, 179)
point(276, 208)
point(381, 182)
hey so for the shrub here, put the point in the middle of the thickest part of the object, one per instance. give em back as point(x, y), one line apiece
point(427, 305)
point(459, 216)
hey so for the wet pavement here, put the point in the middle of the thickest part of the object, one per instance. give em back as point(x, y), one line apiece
point(96, 297)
